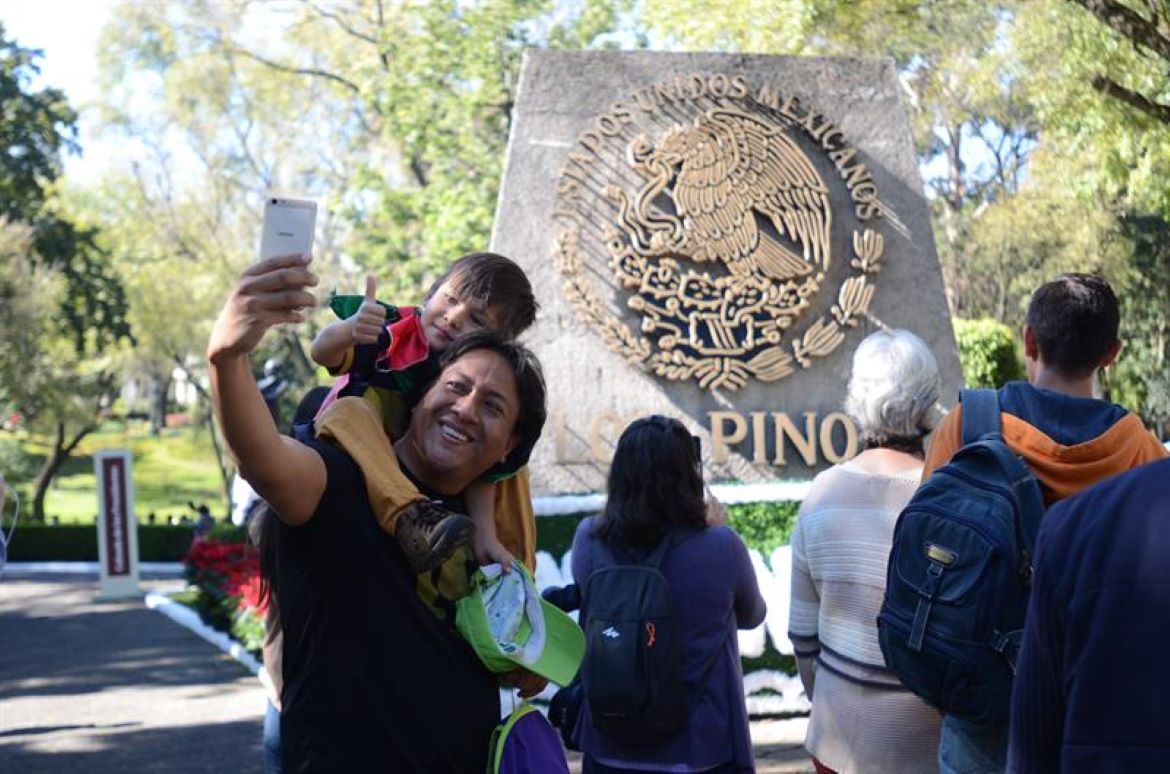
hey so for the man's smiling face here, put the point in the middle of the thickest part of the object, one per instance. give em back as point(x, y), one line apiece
point(465, 423)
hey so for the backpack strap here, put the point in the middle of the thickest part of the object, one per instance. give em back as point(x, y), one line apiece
point(980, 414)
point(602, 555)
point(669, 541)
point(500, 733)
point(1026, 492)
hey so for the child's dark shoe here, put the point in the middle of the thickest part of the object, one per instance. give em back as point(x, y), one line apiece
point(429, 534)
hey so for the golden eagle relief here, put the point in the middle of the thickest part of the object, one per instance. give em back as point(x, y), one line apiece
point(731, 189)
point(727, 171)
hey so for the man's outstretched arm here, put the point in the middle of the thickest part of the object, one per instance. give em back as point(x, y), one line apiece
point(286, 473)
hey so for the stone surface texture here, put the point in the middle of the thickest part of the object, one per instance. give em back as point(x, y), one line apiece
point(594, 391)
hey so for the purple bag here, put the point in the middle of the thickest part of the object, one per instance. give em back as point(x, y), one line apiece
point(525, 743)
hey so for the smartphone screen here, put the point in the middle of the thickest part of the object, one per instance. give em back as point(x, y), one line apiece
point(288, 227)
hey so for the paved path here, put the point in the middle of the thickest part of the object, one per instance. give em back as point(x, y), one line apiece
point(114, 687)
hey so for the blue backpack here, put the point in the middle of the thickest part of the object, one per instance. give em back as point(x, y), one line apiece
point(960, 571)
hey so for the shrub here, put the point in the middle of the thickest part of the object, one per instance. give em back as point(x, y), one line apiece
point(555, 533)
point(764, 526)
point(227, 576)
point(987, 353)
point(15, 465)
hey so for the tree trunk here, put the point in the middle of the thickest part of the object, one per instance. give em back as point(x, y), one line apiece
point(957, 194)
point(303, 368)
point(225, 474)
point(158, 403)
point(52, 466)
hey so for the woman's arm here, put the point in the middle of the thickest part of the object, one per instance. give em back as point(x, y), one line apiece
point(581, 563)
point(804, 612)
point(286, 473)
point(750, 607)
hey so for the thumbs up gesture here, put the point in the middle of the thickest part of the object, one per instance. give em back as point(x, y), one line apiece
point(366, 323)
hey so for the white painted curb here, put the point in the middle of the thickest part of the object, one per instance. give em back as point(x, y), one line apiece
point(189, 619)
point(88, 568)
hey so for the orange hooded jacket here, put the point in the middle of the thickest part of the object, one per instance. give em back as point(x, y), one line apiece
point(1062, 469)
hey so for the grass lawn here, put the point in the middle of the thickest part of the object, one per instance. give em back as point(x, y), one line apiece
point(169, 469)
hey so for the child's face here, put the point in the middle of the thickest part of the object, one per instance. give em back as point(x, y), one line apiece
point(447, 315)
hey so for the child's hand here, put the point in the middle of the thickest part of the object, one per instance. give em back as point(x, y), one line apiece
point(489, 550)
point(366, 323)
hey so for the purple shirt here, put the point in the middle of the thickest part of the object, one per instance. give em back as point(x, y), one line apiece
point(716, 592)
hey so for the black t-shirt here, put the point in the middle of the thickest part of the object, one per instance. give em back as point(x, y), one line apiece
point(373, 681)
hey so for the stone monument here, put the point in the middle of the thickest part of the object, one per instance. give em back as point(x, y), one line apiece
point(710, 236)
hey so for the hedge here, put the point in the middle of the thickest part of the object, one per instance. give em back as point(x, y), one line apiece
point(763, 526)
point(78, 543)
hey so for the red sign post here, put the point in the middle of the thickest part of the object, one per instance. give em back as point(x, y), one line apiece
point(117, 527)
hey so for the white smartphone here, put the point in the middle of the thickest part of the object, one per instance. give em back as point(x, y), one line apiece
point(288, 227)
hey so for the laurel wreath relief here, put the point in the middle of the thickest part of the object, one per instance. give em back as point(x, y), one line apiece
point(773, 363)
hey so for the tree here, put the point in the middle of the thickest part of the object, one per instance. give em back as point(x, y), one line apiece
point(405, 107)
point(36, 127)
point(1150, 37)
point(58, 395)
point(54, 370)
point(970, 110)
point(394, 115)
point(1113, 160)
point(1141, 377)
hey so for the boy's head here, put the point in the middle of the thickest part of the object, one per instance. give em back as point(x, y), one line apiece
point(1072, 322)
point(480, 291)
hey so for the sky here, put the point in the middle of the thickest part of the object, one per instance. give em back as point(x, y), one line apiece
point(67, 31)
point(70, 63)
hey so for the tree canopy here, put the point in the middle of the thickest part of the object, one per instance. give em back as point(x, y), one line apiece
point(1041, 129)
point(37, 126)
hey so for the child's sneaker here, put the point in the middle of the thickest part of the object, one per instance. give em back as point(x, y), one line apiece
point(429, 534)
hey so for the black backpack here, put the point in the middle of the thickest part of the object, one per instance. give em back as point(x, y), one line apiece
point(632, 674)
point(960, 572)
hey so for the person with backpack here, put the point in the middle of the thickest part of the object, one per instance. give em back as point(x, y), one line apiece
point(1067, 437)
point(863, 719)
point(663, 595)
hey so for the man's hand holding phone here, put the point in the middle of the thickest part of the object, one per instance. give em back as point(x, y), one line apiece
point(367, 322)
point(269, 293)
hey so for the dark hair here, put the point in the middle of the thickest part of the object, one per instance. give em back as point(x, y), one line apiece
point(309, 406)
point(497, 283)
point(1074, 319)
point(654, 484)
point(530, 389)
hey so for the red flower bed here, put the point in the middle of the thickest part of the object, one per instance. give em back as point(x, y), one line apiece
point(227, 576)
point(231, 569)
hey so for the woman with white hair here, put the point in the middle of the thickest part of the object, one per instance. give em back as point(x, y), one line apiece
point(863, 719)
